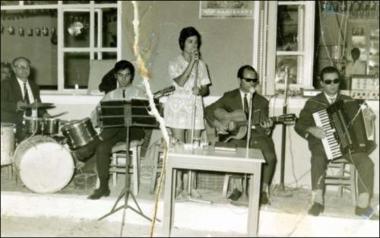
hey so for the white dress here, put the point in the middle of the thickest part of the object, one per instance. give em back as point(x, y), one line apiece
point(179, 107)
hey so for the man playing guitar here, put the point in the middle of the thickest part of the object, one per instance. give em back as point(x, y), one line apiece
point(233, 108)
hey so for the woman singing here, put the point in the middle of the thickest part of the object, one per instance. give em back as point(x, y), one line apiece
point(191, 80)
point(183, 111)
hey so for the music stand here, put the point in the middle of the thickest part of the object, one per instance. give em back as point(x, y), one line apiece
point(126, 114)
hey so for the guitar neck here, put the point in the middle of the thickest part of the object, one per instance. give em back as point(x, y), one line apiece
point(275, 120)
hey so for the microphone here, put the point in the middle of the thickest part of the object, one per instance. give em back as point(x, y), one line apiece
point(199, 55)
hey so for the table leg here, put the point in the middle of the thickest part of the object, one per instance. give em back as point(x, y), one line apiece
point(253, 206)
point(169, 201)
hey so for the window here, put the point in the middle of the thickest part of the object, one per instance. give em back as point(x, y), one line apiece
point(286, 43)
point(60, 38)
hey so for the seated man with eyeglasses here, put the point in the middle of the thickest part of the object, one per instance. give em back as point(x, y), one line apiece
point(18, 92)
point(306, 128)
point(232, 108)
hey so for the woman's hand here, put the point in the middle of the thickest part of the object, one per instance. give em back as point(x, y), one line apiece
point(194, 56)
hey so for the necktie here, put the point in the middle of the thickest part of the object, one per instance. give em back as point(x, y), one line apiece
point(26, 95)
point(245, 105)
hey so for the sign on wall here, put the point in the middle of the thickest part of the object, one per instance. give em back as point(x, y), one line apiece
point(226, 9)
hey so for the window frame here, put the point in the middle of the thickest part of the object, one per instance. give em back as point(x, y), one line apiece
point(305, 52)
point(94, 51)
point(305, 30)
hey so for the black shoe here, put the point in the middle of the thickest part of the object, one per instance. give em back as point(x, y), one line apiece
point(264, 198)
point(316, 209)
point(98, 193)
point(235, 195)
point(367, 213)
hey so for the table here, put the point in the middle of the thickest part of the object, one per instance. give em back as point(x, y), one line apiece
point(209, 159)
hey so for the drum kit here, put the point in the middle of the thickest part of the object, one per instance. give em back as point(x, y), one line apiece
point(45, 160)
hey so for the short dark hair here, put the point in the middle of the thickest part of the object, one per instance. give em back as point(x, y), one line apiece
point(124, 64)
point(243, 68)
point(20, 57)
point(355, 51)
point(186, 33)
point(329, 70)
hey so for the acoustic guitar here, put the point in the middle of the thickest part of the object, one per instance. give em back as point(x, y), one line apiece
point(237, 124)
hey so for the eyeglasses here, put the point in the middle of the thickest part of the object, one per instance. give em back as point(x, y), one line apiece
point(21, 67)
point(328, 81)
point(254, 80)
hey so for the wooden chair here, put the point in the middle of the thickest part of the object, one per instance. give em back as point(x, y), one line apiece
point(118, 162)
point(344, 178)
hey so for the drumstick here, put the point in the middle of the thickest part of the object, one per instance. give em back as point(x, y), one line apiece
point(59, 114)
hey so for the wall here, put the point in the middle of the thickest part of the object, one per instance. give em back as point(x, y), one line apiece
point(41, 52)
point(226, 43)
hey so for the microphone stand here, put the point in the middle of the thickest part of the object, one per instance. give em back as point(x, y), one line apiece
point(283, 144)
point(249, 126)
point(190, 173)
point(195, 103)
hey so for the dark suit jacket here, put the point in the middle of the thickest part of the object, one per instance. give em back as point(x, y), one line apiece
point(306, 120)
point(231, 101)
point(10, 95)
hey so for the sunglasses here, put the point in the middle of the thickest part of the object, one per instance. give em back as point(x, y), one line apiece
point(254, 80)
point(328, 81)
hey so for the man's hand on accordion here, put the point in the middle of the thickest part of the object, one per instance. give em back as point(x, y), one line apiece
point(316, 132)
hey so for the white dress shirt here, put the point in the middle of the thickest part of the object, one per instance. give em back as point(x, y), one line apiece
point(331, 99)
point(30, 94)
point(249, 97)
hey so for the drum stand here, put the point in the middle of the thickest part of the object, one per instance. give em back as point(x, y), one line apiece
point(126, 192)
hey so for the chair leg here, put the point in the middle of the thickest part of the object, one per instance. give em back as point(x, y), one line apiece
point(225, 184)
point(135, 171)
point(353, 184)
point(97, 185)
point(341, 173)
point(153, 181)
point(114, 173)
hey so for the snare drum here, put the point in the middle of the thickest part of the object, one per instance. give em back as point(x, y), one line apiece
point(7, 142)
point(44, 165)
point(51, 126)
point(79, 133)
point(34, 125)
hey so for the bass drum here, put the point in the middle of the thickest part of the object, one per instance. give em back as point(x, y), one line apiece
point(44, 165)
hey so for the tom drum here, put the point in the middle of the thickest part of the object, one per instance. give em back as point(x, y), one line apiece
point(79, 133)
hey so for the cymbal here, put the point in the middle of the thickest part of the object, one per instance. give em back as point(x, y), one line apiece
point(38, 105)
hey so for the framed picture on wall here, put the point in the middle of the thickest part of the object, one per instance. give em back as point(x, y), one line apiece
point(226, 9)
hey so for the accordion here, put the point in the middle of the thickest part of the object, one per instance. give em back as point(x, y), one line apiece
point(349, 127)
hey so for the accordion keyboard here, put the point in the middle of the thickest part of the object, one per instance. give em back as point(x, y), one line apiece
point(330, 143)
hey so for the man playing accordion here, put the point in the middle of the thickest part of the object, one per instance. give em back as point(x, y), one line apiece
point(306, 127)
